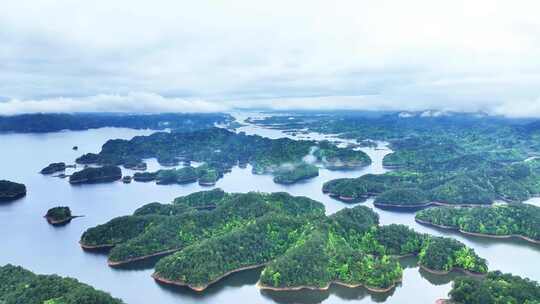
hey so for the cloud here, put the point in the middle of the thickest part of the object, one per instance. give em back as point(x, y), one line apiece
point(132, 102)
point(469, 55)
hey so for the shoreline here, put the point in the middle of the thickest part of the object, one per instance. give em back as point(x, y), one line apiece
point(159, 279)
point(96, 247)
point(137, 259)
point(325, 288)
point(441, 272)
point(60, 222)
point(492, 236)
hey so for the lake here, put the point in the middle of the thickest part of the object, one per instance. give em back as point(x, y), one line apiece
point(32, 243)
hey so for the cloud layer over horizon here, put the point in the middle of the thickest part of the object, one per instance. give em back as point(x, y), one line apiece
point(207, 56)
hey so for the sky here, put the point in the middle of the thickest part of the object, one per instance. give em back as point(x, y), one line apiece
point(207, 56)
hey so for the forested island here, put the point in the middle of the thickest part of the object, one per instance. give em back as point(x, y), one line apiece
point(449, 158)
point(59, 215)
point(220, 150)
point(210, 234)
point(495, 288)
point(500, 221)
point(92, 175)
point(291, 175)
point(53, 168)
point(40, 123)
point(22, 286)
point(10, 191)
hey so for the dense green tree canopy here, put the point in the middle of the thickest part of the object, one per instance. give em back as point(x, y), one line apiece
point(96, 175)
point(221, 149)
point(495, 288)
point(22, 286)
point(213, 233)
point(499, 220)
point(11, 190)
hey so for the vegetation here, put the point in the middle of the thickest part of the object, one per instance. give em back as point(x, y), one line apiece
point(58, 215)
point(22, 286)
point(459, 159)
point(500, 220)
point(38, 123)
point(402, 197)
point(139, 235)
point(96, 175)
point(293, 174)
point(495, 288)
point(53, 168)
point(220, 150)
point(340, 158)
point(10, 191)
point(212, 233)
point(444, 254)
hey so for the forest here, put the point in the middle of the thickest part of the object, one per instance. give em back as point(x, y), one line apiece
point(460, 159)
point(57, 215)
point(54, 122)
point(221, 149)
point(10, 191)
point(495, 288)
point(212, 233)
point(96, 175)
point(22, 286)
point(499, 220)
point(293, 174)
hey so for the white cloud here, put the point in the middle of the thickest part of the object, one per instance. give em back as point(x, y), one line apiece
point(469, 55)
point(132, 102)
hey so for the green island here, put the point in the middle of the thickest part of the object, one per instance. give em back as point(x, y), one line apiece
point(220, 150)
point(53, 168)
point(54, 122)
point(499, 221)
point(292, 174)
point(208, 235)
point(59, 215)
point(22, 286)
point(402, 198)
point(10, 191)
point(454, 158)
point(96, 175)
point(495, 288)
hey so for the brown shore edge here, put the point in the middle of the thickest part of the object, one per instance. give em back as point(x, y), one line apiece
point(493, 236)
point(159, 279)
point(66, 220)
point(132, 260)
point(324, 288)
point(95, 247)
point(439, 272)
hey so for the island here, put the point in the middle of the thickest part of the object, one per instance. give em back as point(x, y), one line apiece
point(59, 215)
point(54, 122)
point(508, 182)
point(499, 221)
point(402, 198)
point(53, 168)
point(96, 175)
point(454, 158)
point(219, 150)
point(292, 174)
point(205, 236)
point(22, 286)
point(10, 191)
point(496, 287)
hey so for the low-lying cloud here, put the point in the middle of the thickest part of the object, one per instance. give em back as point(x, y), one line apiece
point(131, 103)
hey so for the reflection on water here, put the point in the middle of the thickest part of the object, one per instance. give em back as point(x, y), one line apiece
point(29, 241)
